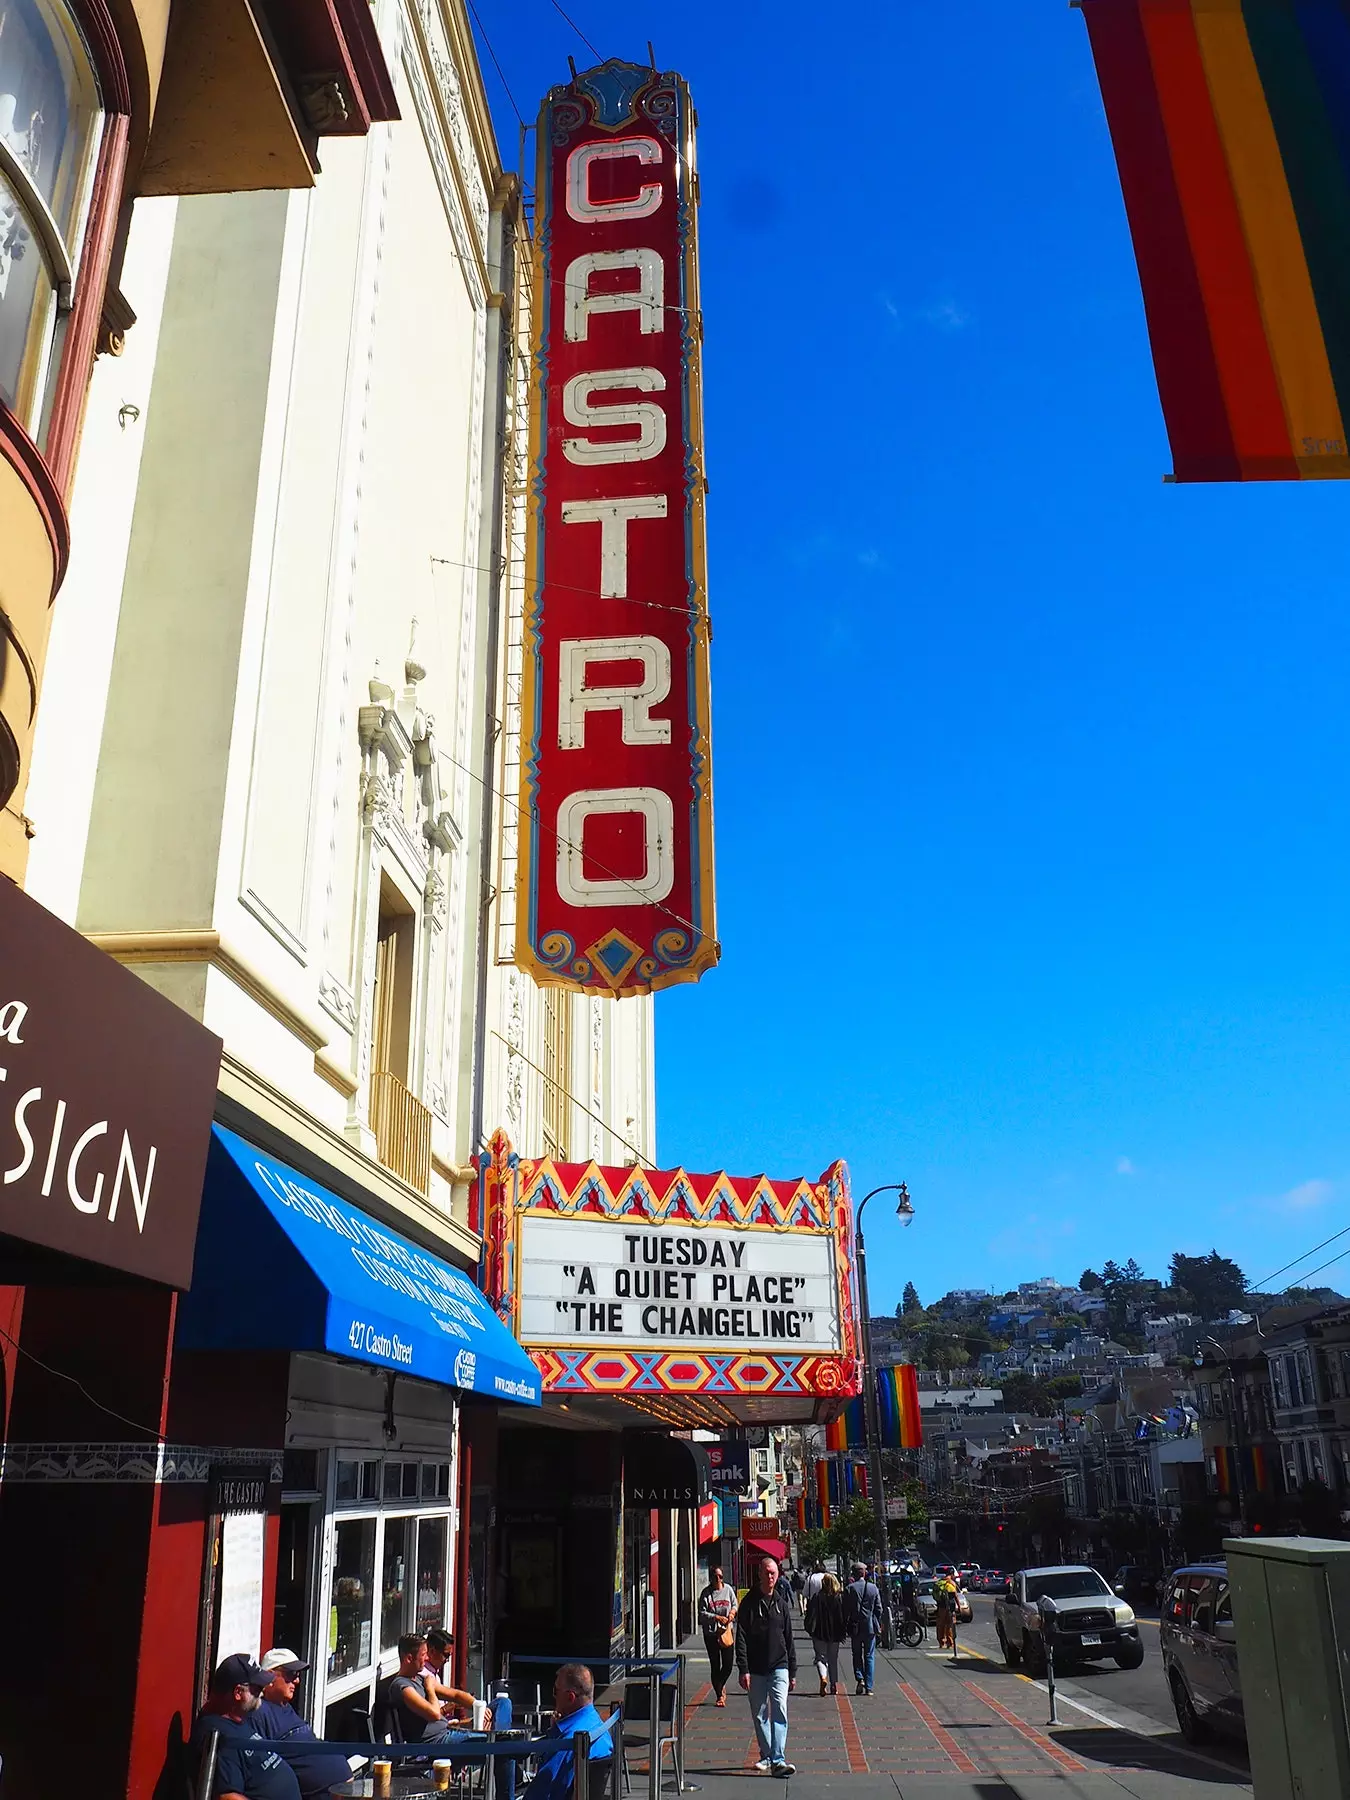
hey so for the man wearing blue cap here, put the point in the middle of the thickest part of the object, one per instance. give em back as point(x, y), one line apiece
point(247, 1766)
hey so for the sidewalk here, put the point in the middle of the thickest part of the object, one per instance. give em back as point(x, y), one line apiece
point(934, 1731)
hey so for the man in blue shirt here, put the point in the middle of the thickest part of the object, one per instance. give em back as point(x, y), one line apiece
point(247, 1767)
point(574, 1710)
point(318, 1772)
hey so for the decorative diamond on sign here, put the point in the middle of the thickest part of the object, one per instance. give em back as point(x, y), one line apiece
point(614, 953)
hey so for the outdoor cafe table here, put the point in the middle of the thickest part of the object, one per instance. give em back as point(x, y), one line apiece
point(401, 1787)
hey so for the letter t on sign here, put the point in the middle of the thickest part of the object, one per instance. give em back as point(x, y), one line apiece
point(612, 516)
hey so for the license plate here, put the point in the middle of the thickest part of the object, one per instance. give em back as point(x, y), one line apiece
point(1091, 1638)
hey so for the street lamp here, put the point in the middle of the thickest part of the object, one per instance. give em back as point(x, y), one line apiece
point(871, 1416)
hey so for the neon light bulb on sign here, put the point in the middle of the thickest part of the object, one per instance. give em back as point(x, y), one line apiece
point(616, 848)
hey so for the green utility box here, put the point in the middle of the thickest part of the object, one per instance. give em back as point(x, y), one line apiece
point(1291, 1606)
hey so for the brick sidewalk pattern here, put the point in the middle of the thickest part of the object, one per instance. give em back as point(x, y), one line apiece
point(975, 1723)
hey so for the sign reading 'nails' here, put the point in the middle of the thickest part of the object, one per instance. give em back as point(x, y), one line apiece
point(616, 864)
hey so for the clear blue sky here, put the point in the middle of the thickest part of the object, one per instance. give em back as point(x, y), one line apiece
point(1031, 772)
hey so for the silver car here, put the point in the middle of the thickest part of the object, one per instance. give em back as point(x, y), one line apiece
point(1199, 1653)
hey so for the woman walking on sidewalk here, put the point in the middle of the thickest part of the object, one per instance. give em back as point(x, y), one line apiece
point(717, 1620)
point(825, 1624)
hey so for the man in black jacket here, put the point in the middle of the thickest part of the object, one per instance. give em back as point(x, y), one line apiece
point(766, 1660)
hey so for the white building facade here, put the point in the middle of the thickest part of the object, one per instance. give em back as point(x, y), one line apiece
point(277, 757)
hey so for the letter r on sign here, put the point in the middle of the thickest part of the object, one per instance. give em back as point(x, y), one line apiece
point(633, 700)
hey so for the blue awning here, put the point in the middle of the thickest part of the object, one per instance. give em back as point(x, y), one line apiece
point(283, 1264)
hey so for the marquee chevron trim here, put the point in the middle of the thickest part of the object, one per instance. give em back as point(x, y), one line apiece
point(512, 1187)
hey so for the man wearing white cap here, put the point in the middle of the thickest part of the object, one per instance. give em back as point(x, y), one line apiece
point(276, 1718)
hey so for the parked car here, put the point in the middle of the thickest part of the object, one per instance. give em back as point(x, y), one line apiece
point(1199, 1652)
point(1091, 1624)
point(966, 1573)
point(1137, 1584)
point(989, 1581)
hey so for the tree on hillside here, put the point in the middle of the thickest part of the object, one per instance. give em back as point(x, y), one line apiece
point(1024, 1394)
point(910, 1303)
point(1064, 1387)
point(1089, 1281)
point(1214, 1282)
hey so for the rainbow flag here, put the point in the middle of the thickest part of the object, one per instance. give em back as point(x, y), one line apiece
point(823, 1492)
point(848, 1430)
point(898, 1404)
point(1231, 126)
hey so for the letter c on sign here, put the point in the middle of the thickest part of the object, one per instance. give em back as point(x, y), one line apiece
point(581, 207)
point(576, 888)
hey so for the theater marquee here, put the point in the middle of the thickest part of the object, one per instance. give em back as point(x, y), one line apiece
point(735, 1294)
point(616, 864)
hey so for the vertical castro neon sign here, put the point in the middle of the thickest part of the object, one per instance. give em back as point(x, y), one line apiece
point(616, 865)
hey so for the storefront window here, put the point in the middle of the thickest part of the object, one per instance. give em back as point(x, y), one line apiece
point(432, 1535)
point(350, 1618)
point(50, 117)
point(394, 1582)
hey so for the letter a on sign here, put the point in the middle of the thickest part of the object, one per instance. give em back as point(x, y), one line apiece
point(616, 857)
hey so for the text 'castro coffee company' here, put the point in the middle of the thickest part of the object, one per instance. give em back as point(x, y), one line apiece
point(616, 868)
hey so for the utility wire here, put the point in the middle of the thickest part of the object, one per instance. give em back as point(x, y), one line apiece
point(580, 33)
point(150, 1431)
point(688, 612)
point(515, 1050)
point(501, 73)
point(1258, 1286)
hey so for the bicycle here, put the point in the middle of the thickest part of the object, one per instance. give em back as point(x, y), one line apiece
point(911, 1631)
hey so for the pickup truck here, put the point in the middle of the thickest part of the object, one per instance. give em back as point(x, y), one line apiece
point(1092, 1621)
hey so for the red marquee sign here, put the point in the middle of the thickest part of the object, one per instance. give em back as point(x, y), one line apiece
point(616, 865)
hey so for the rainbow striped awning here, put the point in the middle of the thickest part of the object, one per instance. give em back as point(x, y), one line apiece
point(1231, 126)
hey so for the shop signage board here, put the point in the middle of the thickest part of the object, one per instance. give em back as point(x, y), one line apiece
point(616, 858)
point(897, 1506)
point(730, 1465)
point(658, 1281)
point(106, 1096)
point(708, 1522)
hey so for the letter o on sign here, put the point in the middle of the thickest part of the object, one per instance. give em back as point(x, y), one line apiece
point(658, 875)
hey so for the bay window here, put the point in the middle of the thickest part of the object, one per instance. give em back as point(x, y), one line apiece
point(51, 120)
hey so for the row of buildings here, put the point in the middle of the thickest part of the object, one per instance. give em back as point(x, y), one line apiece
point(1248, 1433)
point(299, 1155)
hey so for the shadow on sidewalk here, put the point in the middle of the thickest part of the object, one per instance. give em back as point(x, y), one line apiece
point(1114, 1750)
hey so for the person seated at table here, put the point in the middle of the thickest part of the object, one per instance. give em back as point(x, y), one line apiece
point(317, 1772)
point(574, 1710)
point(247, 1766)
point(439, 1645)
point(412, 1691)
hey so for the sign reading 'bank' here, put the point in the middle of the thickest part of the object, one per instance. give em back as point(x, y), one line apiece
point(616, 867)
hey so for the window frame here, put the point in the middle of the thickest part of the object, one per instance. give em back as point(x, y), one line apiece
point(50, 439)
point(418, 1507)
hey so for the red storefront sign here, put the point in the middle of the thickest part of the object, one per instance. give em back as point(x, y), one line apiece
point(616, 864)
point(707, 1522)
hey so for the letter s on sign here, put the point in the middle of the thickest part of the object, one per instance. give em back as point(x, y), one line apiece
point(581, 207)
point(579, 409)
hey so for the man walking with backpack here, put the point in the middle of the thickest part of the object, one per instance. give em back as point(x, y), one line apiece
point(862, 1615)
